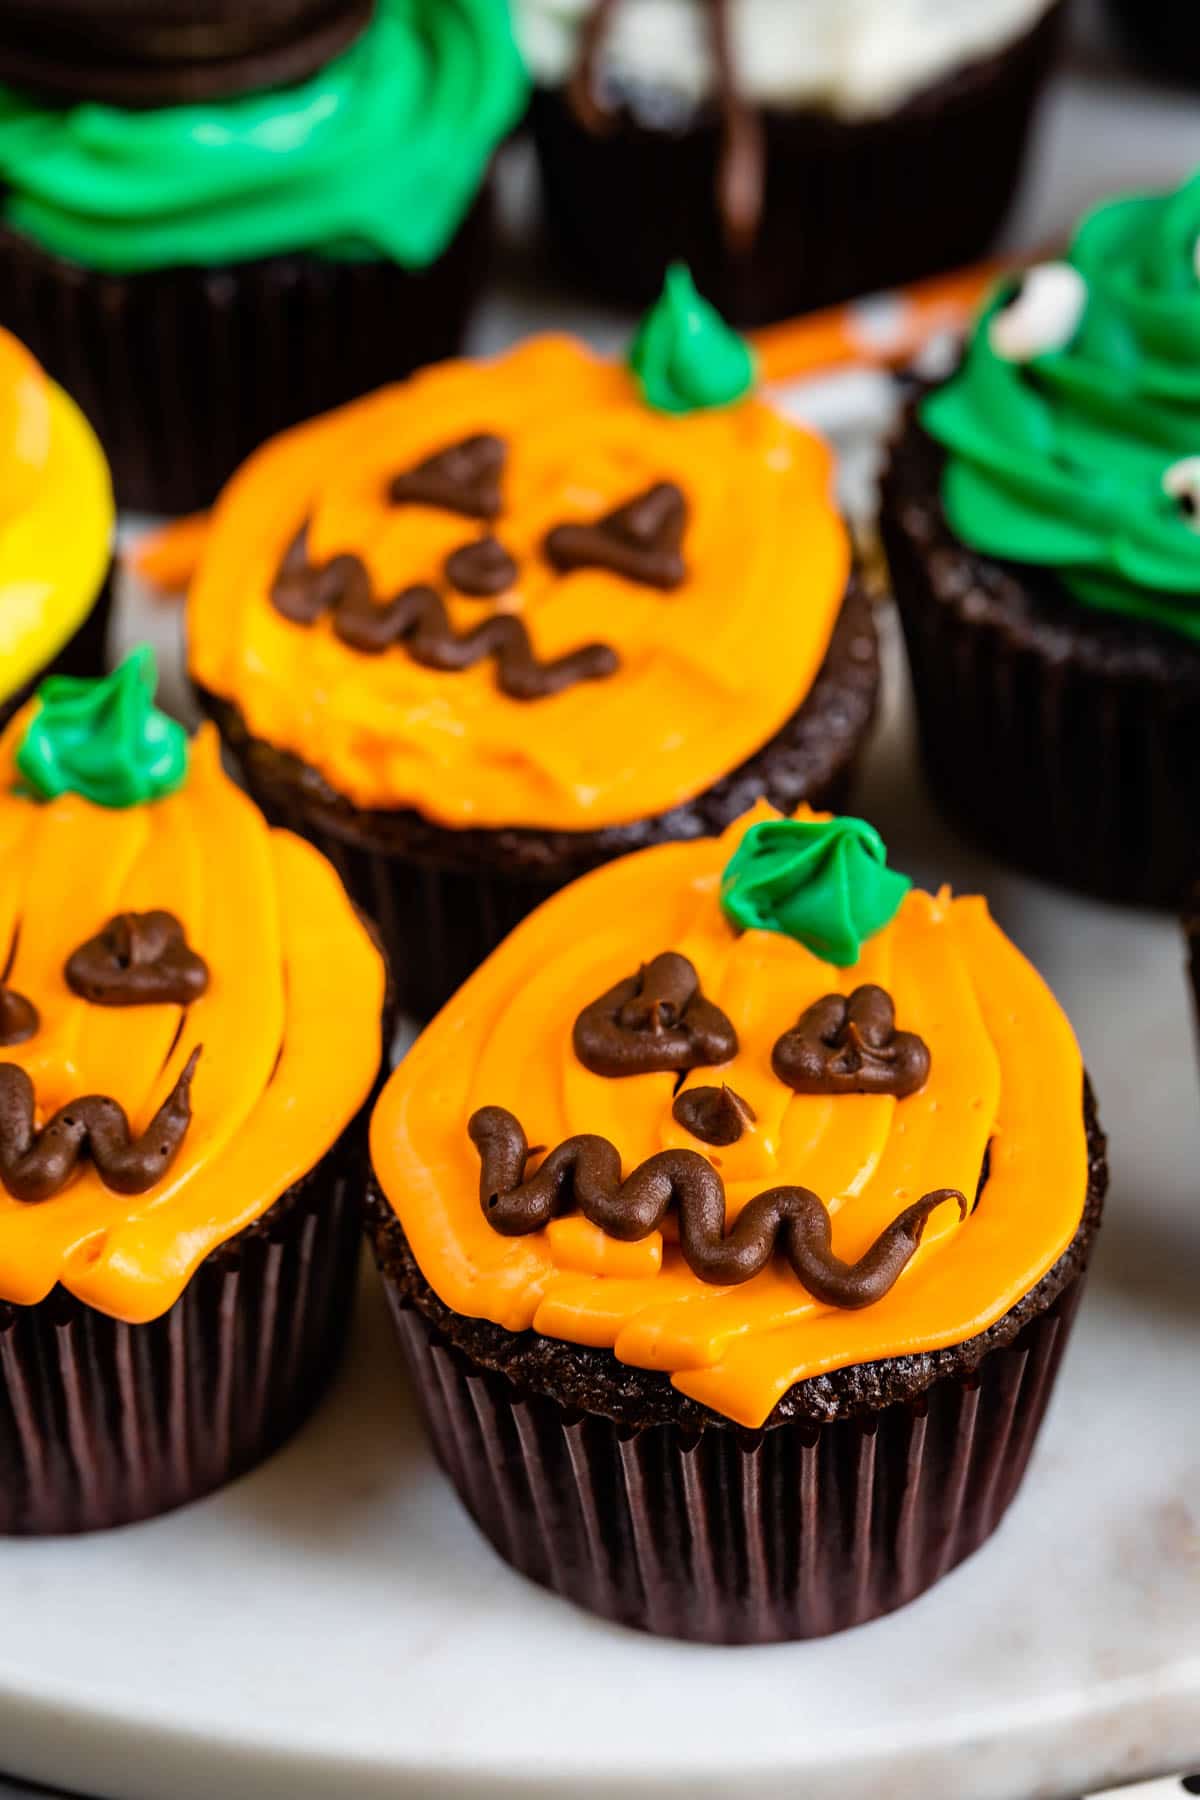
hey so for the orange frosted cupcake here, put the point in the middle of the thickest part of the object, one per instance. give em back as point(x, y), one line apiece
point(734, 1216)
point(190, 1026)
point(488, 629)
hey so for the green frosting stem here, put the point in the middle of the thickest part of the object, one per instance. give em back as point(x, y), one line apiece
point(379, 154)
point(104, 739)
point(684, 356)
point(1079, 457)
point(824, 882)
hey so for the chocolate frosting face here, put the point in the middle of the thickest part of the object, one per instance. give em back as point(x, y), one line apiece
point(584, 1174)
point(136, 53)
point(138, 959)
point(36, 1165)
point(657, 1020)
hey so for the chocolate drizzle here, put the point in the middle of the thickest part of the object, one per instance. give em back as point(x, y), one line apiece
point(18, 1018)
point(584, 1174)
point(715, 1115)
point(464, 478)
point(653, 1022)
point(138, 959)
point(36, 1165)
point(742, 167)
point(851, 1046)
point(481, 570)
point(417, 620)
point(640, 539)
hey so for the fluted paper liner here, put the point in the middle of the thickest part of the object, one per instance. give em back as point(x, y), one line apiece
point(734, 1536)
point(102, 1423)
point(183, 372)
point(1074, 771)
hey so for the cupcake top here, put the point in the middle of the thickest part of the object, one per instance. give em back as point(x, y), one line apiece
point(1072, 429)
point(854, 57)
point(56, 518)
point(142, 53)
point(378, 153)
point(545, 591)
point(745, 1110)
point(190, 1011)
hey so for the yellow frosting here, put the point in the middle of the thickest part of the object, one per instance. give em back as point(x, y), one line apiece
point(709, 672)
point(290, 1024)
point(1005, 1072)
point(56, 518)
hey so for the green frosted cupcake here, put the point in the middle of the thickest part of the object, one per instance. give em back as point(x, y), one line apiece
point(203, 274)
point(1042, 518)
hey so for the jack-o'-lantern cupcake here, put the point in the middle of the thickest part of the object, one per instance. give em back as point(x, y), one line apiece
point(190, 1027)
point(734, 1216)
point(56, 531)
point(492, 627)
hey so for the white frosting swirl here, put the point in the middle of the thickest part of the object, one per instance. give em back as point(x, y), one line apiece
point(853, 57)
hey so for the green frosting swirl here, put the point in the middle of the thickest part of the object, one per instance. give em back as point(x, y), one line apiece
point(1076, 459)
point(824, 882)
point(104, 739)
point(684, 356)
point(379, 154)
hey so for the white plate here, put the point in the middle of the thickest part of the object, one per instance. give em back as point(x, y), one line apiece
point(334, 1626)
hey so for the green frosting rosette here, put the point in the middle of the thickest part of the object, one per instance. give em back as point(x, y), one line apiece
point(1073, 426)
point(684, 357)
point(825, 882)
point(380, 153)
point(104, 740)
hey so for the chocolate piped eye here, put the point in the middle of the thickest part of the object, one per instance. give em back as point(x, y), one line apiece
point(18, 1018)
point(640, 540)
point(715, 1115)
point(463, 478)
point(654, 1022)
point(1182, 484)
point(851, 1046)
point(1041, 315)
point(138, 959)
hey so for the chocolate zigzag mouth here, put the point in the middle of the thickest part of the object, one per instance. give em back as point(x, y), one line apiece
point(37, 1165)
point(584, 1174)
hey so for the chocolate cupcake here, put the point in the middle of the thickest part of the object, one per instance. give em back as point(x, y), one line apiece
point(1041, 514)
point(204, 257)
point(1163, 33)
point(190, 1029)
point(486, 630)
point(793, 156)
point(733, 1217)
point(56, 541)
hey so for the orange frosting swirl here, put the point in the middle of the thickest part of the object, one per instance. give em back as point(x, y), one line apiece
point(290, 1024)
point(1005, 1073)
point(709, 671)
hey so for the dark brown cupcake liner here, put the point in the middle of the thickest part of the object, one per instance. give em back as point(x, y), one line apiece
point(183, 372)
point(731, 1536)
point(1163, 33)
point(862, 1489)
point(444, 899)
point(83, 654)
point(850, 206)
point(1063, 740)
point(103, 1423)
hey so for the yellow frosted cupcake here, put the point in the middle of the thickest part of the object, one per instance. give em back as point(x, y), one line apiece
point(56, 531)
